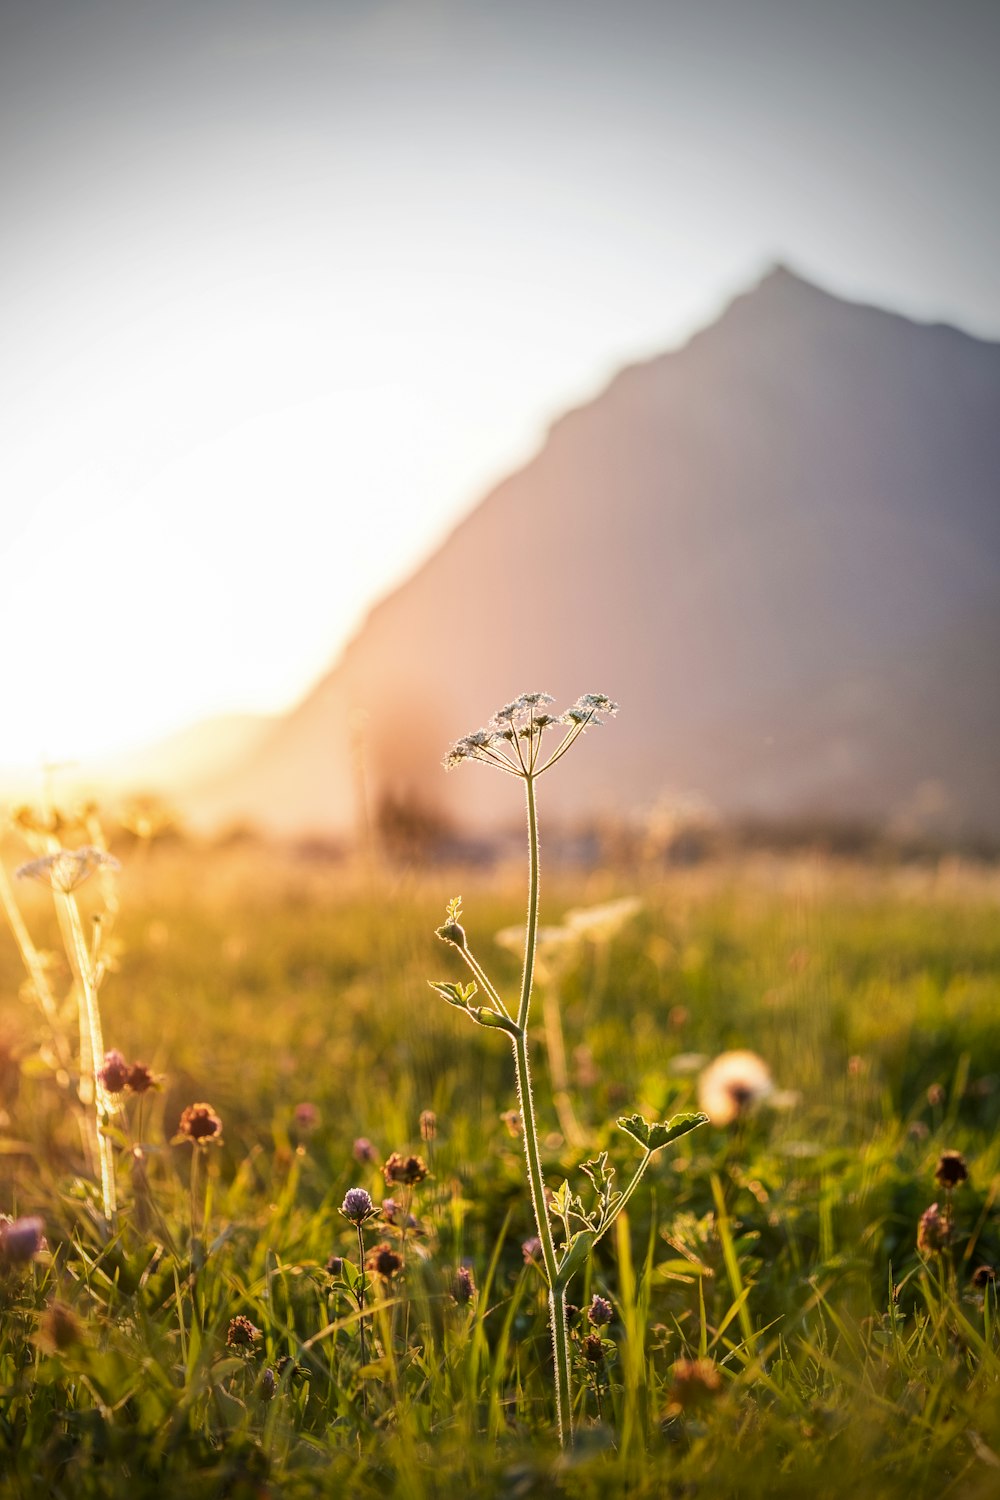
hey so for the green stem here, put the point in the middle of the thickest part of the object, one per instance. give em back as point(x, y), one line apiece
point(626, 1194)
point(488, 986)
point(361, 1310)
point(557, 1294)
point(531, 933)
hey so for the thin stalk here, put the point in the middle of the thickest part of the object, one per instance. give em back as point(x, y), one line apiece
point(361, 1309)
point(69, 914)
point(36, 972)
point(536, 1183)
point(626, 1194)
point(531, 932)
point(488, 987)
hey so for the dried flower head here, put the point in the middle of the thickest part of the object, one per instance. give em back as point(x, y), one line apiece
point(984, 1276)
point(335, 1265)
point(114, 1073)
point(404, 1170)
point(933, 1231)
point(66, 869)
point(363, 1151)
point(59, 1329)
point(512, 740)
point(241, 1334)
point(592, 1348)
point(463, 1288)
point(141, 1079)
point(600, 1312)
point(200, 1125)
point(358, 1206)
point(733, 1084)
point(384, 1261)
point(428, 1125)
point(268, 1385)
point(531, 1249)
point(951, 1169)
point(20, 1240)
point(694, 1383)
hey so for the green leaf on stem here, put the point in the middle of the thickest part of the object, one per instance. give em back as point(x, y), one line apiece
point(654, 1136)
point(455, 994)
point(574, 1254)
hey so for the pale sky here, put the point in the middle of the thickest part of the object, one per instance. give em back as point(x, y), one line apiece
point(286, 284)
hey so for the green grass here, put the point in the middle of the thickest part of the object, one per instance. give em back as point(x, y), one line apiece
point(783, 1249)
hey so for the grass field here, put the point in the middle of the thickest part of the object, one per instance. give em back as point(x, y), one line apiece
point(774, 1330)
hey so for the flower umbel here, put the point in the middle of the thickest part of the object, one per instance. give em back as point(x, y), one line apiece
point(512, 740)
point(67, 868)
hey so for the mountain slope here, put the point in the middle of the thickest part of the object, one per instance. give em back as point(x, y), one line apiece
point(778, 547)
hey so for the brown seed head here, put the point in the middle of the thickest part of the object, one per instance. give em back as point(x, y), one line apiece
point(407, 1170)
point(201, 1125)
point(592, 1349)
point(428, 1125)
point(984, 1276)
point(384, 1261)
point(951, 1169)
point(694, 1383)
point(140, 1079)
point(241, 1333)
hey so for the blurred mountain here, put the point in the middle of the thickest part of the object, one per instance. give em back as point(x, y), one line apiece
point(777, 546)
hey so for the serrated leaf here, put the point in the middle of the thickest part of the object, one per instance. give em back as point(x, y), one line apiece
point(455, 994)
point(655, 1135)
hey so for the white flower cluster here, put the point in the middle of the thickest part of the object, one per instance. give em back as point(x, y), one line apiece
point(512, 739)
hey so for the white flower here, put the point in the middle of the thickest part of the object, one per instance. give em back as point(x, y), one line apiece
point(68, 868)
point(732, 1084)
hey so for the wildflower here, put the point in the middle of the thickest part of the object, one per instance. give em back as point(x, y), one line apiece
point(463, 1288)
point(267, 1386)
point(358, 1206)
point(59, 1329)
point(335, 1265)
point(512, 1120)
point(384, 1261)
point(603, 921)
point(984, 1276)
point(592, 1348)
point(140, 1079)
point(405, 1170)
point(241, 1334)
point(67, 868)
point(200, 1125)
point(572, 1313)
point(114, 1074)
point(694, 1383)
point(525, 719)
point(936, 1095)
point(600, 1312)
point(306, 1117)
point(731, 1085)
point(531, 1249)
point(951, 1169)
point(363, 1151)
point(20, 1240)
point(933, 1231)
point(428, 1125)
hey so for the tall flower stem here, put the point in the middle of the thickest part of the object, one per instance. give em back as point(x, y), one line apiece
point(361, 1310)
point(92, 1090)
point(536, 1182)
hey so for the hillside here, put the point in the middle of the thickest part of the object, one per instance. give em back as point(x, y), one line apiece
point(778, 547)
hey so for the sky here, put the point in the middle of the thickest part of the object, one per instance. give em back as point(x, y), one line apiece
point(286, 285)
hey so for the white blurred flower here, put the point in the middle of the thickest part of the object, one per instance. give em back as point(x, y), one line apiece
point(67, 868)
point(732, 1084)
point(604, 921)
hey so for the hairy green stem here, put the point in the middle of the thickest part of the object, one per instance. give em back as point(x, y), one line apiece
point(91, 1045)
point(536, 1182)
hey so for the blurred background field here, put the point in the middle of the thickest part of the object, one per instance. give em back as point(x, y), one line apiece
point(261, 980)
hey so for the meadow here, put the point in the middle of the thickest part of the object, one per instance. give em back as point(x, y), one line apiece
point(766, 1323)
